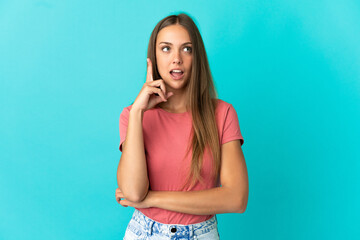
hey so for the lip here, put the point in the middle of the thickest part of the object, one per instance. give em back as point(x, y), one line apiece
point(177, 78)
point(177, 69)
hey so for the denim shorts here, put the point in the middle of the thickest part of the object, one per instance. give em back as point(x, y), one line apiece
point(141, 227)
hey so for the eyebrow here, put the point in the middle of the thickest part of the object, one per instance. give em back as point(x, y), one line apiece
point(171, 43)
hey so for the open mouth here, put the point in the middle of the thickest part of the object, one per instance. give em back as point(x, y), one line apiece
point(177, 74)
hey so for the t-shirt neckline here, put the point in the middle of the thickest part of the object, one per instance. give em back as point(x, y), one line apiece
point(162, 110)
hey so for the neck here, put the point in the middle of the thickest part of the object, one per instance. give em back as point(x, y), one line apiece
point(175, 103)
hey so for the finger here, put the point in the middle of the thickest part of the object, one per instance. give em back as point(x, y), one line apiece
point(119, 196)
point(160, 92)
point(169, 94)
point(124, 203)
point(159, 83)
point(149, 74)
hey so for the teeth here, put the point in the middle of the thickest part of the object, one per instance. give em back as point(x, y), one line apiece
point(179, 71)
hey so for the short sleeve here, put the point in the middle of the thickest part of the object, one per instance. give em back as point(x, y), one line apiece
point(231, 128)
point(123, 124)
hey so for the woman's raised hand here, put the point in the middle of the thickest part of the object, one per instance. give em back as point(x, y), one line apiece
point(147, 98)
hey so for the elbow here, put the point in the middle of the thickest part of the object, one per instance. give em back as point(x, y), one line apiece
point(241, 209)
point(242, 203)
point(137, 198)
point(133, 193)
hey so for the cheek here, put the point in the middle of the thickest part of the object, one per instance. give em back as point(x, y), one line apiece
point(160, 63)
point(189, 66)
point(162, 69)
point(189, 62)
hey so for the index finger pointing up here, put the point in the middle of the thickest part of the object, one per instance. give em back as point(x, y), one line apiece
point(149, 74)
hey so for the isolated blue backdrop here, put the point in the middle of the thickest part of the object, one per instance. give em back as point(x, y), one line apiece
point(290, 68)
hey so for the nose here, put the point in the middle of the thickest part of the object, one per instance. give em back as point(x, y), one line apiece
point(177, 58)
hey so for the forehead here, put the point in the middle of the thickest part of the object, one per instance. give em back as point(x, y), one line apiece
point(175, 34)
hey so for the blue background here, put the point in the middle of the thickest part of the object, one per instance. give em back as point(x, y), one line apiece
point(291, 69)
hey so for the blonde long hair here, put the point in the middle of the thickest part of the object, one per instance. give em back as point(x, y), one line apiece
point(202, 99)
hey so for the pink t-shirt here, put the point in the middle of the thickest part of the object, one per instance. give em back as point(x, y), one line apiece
point(166, 136)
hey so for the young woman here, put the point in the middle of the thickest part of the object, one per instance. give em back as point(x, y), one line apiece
point(181, 161)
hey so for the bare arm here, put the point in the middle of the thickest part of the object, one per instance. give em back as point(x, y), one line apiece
point(132, 175)
point(232, 197)
point(203, 202)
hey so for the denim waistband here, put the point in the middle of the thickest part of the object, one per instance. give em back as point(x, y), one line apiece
point(170, 229)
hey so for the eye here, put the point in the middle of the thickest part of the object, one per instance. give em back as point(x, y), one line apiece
point(164, 48)
point(190, 49)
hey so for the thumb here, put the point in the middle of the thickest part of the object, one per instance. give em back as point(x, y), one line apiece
point(169, 94)
point(159, 99)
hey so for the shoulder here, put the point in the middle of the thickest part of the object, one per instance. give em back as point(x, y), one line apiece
point(222, 106)
point(126, 110)
point(225, 112)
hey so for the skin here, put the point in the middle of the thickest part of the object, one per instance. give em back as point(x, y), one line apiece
point(170, 56)
point(232, 196)
point(173, 50)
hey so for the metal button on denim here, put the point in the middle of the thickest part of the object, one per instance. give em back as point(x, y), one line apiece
point(143, 227)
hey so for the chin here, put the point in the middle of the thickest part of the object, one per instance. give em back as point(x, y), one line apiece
point(177, 84)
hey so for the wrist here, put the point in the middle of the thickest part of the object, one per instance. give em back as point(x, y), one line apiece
point(153, 198)
point(136, 111)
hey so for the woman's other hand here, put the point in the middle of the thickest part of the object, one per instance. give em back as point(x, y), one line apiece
point(146, 203)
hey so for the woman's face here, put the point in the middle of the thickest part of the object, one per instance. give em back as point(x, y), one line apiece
point(174, 51)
